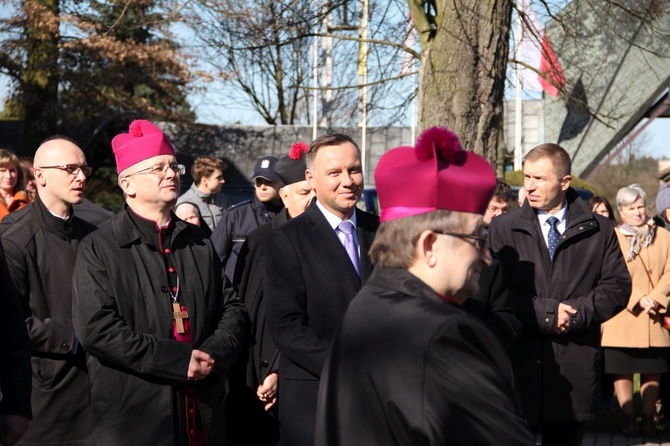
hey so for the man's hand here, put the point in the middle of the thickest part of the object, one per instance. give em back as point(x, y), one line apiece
point(200, 366)
point(649, 305)
point(267, 392)
point(12, 428)
point(562, 319)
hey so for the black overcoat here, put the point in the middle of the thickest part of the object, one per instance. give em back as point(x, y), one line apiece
point(40, 250)
point(409, 368)
point(309, 283)
point(15, 375)
point(123, 317)
point(558, 374)
point(260, 355)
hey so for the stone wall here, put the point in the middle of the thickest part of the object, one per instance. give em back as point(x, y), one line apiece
point(240, 145)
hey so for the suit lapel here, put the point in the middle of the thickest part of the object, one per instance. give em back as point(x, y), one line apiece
point(329, 239)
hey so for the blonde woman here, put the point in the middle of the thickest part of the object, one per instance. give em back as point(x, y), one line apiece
point(12, 195)
point(635, 340)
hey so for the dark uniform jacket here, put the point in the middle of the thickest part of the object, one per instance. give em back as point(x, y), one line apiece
point(558, 374)
point(40, 250)
point(409, 368)
point(309, 282)
point(260, 355)
point(123, 316)
point(15, 375)
point(235, 224)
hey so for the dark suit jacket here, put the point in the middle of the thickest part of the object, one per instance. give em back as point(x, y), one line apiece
point(309, 282)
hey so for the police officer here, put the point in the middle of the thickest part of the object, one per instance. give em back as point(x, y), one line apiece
point(242, 218)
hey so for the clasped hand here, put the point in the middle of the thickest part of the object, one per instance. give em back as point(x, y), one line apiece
point(200, 366)
point(649, 305)
point(562, 319)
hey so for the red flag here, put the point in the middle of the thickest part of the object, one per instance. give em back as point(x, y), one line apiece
point(551, 75)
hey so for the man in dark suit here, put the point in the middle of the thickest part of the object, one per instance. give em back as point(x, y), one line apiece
point(314, 266)
point(408, 365)
point(565, 275)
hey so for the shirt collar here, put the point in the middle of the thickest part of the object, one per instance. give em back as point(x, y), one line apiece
point(333, 220)
point(561, 214)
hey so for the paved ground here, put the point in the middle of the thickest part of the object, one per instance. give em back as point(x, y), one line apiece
point(616, 439)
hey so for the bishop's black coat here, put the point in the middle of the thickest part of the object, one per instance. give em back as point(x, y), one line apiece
point(409, 368)
point(123, 316)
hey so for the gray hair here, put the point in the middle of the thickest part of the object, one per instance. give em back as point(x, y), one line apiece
point(629, 194)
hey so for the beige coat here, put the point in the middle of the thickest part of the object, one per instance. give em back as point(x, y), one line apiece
point(633, 327)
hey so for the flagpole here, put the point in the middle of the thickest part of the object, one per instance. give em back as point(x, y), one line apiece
point(315, 80)
point(518, 109)
point(363, 79)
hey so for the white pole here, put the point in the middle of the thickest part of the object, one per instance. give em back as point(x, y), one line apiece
point(315, 79)
point(363, 79)
point(518, 109)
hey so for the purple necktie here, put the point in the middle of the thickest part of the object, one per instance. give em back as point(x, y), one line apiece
point(347, 227)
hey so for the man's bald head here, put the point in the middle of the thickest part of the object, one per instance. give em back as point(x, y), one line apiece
point(58, 174)
point(51, 151)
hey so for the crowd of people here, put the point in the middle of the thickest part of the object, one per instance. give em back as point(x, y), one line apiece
point(296, 318)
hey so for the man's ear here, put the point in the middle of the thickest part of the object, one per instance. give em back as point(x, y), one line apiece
point(565, 182)
point(309, 177)
point(425, 248)
point(283, 194)
point(127, 186)
point(40, 178)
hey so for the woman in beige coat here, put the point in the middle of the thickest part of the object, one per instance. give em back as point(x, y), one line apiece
point(635, 340)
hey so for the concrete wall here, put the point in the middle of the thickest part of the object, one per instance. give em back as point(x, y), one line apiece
point(240, 146)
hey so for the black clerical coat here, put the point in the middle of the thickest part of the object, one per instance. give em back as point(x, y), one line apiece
point(410, 368)
point(40, 249)
point(123, 317)
point(309, 282)
point(260, 355)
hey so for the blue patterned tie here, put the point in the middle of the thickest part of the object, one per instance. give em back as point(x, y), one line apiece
point(554, 236)
point(347, 227)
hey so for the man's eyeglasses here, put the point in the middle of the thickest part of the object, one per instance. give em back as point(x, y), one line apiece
point(161, 169)
point(72, 169)
point(479, 241)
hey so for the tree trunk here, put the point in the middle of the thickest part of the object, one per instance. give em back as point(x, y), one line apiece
point(465, 46)
point(40, 77)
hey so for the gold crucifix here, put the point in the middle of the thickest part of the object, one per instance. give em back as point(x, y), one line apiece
point(179, 317)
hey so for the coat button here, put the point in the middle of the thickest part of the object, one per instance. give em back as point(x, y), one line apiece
point(264, 364)
point(65, 347)
point(164, 289)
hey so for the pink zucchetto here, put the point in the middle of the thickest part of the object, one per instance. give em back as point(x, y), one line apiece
point(143, 141)
point(434, 174)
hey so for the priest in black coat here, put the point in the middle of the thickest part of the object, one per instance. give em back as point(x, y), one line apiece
point(408, 364)
point(152, 310)
point(310, 278)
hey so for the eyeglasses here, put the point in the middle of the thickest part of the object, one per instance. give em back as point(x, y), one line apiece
point(161, 169)
point(72, 169)
point(479, 241)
